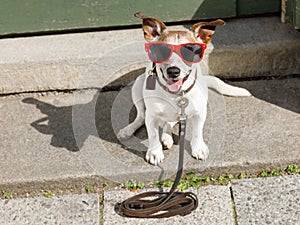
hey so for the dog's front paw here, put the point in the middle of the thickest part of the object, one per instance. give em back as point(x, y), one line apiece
point(167, 141)
point(125, 133)
point(199, 150)
point(155, 156)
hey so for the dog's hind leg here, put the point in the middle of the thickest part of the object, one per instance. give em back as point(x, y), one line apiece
point(223, 88)
point(138, 101)
point(199, 148)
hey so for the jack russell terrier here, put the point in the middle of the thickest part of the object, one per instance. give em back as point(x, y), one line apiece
point(174, 70)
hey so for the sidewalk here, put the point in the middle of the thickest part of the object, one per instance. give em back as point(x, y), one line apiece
point(260, 201)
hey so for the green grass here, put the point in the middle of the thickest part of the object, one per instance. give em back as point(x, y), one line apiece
point(48, 194)
point(6, 194)
point(192, 180)
point(134, 185)
point(89, 189)
point(292, 169)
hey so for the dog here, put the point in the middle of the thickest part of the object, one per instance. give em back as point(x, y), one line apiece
point(174, 69)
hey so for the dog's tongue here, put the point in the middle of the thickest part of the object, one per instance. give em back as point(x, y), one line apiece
point(174, 85)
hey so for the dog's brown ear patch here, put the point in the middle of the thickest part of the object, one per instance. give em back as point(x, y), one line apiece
point(141, 15)
point(205, 30)
point(152, 27)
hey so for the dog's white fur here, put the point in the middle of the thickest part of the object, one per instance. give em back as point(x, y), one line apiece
point(157, 108)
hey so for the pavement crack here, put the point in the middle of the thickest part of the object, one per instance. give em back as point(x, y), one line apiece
point(101, 209)
point(233, 206)
point(44, 93)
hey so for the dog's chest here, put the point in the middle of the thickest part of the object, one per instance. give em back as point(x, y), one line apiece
point(167, 109)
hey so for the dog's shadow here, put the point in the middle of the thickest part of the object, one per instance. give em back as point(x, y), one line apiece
point(57, 122)
point(93, 118)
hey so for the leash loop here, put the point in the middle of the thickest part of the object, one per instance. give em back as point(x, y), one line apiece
point(165, 204)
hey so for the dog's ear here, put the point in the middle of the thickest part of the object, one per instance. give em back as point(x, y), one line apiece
point(205, 30)
point(152, 27)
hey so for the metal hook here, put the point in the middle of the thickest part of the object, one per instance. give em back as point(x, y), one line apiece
point(151, 72)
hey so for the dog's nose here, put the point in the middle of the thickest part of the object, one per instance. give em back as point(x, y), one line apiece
point(173, 72)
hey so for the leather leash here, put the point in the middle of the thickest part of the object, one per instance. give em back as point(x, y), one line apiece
point(165, 204)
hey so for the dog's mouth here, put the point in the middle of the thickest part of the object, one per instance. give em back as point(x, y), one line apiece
point(174, 85)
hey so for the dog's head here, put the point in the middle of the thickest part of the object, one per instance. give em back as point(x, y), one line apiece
point(177, 67)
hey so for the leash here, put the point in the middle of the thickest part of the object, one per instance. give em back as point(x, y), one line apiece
point(165, 204)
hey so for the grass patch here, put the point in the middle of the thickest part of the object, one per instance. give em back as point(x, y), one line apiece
point(192, 180)
point(6, 195)
point(133, 185)
point(48, 194)
point(292, 169)
point(89, 189)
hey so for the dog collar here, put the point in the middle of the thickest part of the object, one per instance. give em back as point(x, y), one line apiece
point(166, 88)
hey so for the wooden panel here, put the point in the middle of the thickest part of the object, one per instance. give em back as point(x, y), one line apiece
point(250, 7)
point(27, 16)
point(297, 15)
point(292, 13)
point(295, 11)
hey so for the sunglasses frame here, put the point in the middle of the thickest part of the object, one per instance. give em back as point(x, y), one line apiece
point(175, 48)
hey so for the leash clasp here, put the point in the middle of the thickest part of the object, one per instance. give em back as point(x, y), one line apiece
point(182, 103)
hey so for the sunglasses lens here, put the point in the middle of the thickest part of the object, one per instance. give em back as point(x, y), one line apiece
point(191, 52)
point(159, 52)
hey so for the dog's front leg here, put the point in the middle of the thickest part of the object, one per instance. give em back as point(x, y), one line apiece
point(166, 137)
point(199, 148)
point(155, 153)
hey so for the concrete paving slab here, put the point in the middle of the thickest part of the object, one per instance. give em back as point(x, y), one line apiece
point(215, 207)
point(57, 138)
point(68, 209)
point(64, 61)
point(267, 200)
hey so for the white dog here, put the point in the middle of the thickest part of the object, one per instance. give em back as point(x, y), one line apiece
point(174, 70)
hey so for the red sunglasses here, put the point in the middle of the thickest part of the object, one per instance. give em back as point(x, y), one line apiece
point(160, 52)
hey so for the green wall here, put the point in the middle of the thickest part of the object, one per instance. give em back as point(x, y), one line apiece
point(35, 16)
